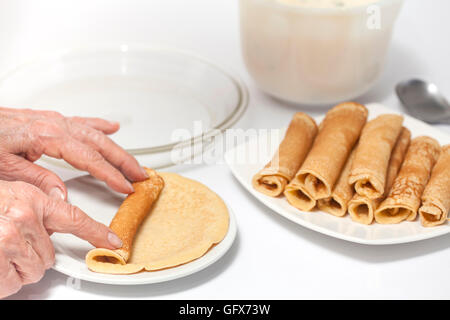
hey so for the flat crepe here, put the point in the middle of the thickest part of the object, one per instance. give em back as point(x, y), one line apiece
point(337, 136)
point(362, 209)
point(436, 197)
point(404, 197)
point(342, 193)
point(186, 220)
point(274, 177)
point(369, 169)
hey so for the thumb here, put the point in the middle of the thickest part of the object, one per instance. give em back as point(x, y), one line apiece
point(13, 167)
point(60, 216)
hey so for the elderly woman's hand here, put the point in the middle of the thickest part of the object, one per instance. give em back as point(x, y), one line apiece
point(27, 217)
point(33, 206)
point(25, 135)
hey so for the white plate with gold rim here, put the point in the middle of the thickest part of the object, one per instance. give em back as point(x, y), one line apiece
point(244, 164)
point(101, 204)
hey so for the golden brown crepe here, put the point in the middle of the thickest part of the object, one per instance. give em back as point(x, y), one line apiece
point(369, 169)
point(133, 211)
point(397, 158)
point(436, 197)
point(337, 136)
point(342, 193)
point(362, 209)
point(186, 220)
point(298, 197)
point(274, 177)
point(404, 197)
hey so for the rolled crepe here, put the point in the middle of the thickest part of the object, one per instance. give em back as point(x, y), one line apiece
point(369, 169)
point(337, 136)
point(342, 193)
point(397, 158)
point(298, 196)
point(127, 220)
point(362, 209)
point(436, 197)
point(404, 197)
point(274, 177)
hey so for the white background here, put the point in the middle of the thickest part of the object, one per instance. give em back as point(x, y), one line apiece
point(271, 258)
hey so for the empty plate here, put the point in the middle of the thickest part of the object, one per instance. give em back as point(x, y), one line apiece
point(161, 97)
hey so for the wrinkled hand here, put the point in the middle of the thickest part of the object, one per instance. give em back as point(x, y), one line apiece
point(27, 217)
point(25, 135)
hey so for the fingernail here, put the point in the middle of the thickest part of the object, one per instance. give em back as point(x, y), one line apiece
point(130, 187)
point(114, 240)
point(144, 172)
point(114, 123)
point(56, 193)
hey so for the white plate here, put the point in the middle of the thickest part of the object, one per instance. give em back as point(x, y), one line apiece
point(151, 91)
point(342, 228)
point(101, 203)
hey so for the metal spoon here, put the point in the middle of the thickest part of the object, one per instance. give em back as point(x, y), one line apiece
point(424, 101)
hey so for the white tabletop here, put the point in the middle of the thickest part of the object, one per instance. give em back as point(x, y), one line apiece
point(272, 258)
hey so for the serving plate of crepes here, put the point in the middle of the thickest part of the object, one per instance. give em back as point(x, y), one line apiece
point(364, 174)
point(171, 227)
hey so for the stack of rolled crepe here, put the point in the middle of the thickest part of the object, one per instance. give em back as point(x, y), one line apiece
point(384, 178)
point(337, 204)
point(322, 168)
point(369, 168)
point(404, 198)
point(361, 208)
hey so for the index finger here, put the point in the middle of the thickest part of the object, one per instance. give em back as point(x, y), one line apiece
point(85, 158)
point(105, 126)
point(112, 152)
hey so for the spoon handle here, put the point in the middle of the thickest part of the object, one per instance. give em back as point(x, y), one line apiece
point(445, 120)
